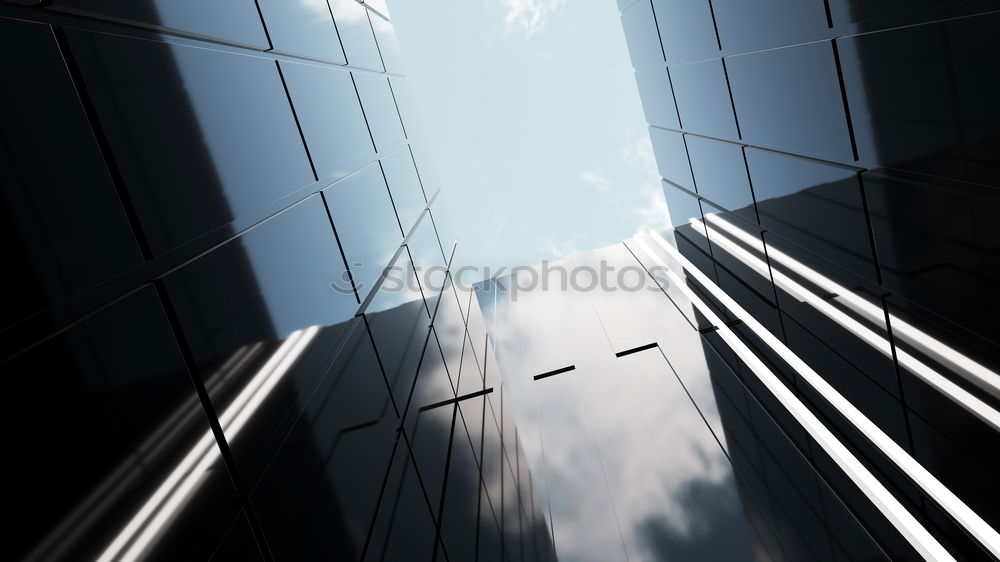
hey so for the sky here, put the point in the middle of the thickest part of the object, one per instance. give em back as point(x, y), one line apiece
point(529, 120)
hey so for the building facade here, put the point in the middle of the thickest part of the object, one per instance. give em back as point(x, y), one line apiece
point(831, 167)
point(229, 330)
point(232, 333)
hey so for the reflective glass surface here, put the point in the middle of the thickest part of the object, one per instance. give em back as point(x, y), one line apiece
point(657, 97)
point(404, 102)
point(671, 157)
point(428, 263)
point(702, 95)
point(460, 516)
point(304, 28)
point(470, 376)
point(397, 320)
point(201, 137)
point(880, 310)
point(641, 35)
point(687, 31)
point(366, 225)
point(356, 34)
point(388, 45)
point(949, 438)
point(239, 542)
point(442, 214)
point(661, 453)
point(404, 185)
point(747, 263)
point(859, 10)
point(233, 20)
point(761, 24)
point(430, 433)
point(450, 327)
point(263, 348)
point(953, 275)
point(122, 408)
point(331, 118)
point(685, 207)
point(380, 111)
point(60, 239)
point(816, 205)
point(790, 98)
point(921, 100)
point(321, 491)
point(404, 527)
point(731, 469)
point(187, 220)
point(720, 174)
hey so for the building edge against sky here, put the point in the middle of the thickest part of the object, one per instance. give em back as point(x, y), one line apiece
point(200, 201)
point(224, 340)
point(831, 260)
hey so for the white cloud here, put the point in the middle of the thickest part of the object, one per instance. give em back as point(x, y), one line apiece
point(344, 11)
point(558, 247)
point(653, 214)
point(597, 181)
point(530, 15)
point(638, 153)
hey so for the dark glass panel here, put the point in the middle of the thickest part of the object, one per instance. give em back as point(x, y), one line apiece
point(835, 306)
point(59, 239)
point(937, 247)
point(405, 527)
point(804, 517)
point(263, 324)
point(101, 416)
point(922, 97)
point(461, 510)
point(319, 495)
point(397, 321)
point(751, 25)
point(201, 137)
point(790, 98)
point(815, 205)
point(232, 20)
point(429, 432)
point(239, 543)
point(435, 383)
point(703, 101)
point(720, 175)
point(684, 207)
point(844, 11)
point(687, 31)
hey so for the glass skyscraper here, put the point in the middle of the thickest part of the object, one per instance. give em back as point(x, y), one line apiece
point(200, 202)
point(232, 329)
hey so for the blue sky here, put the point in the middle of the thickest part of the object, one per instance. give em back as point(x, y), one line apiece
point(530, 119)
